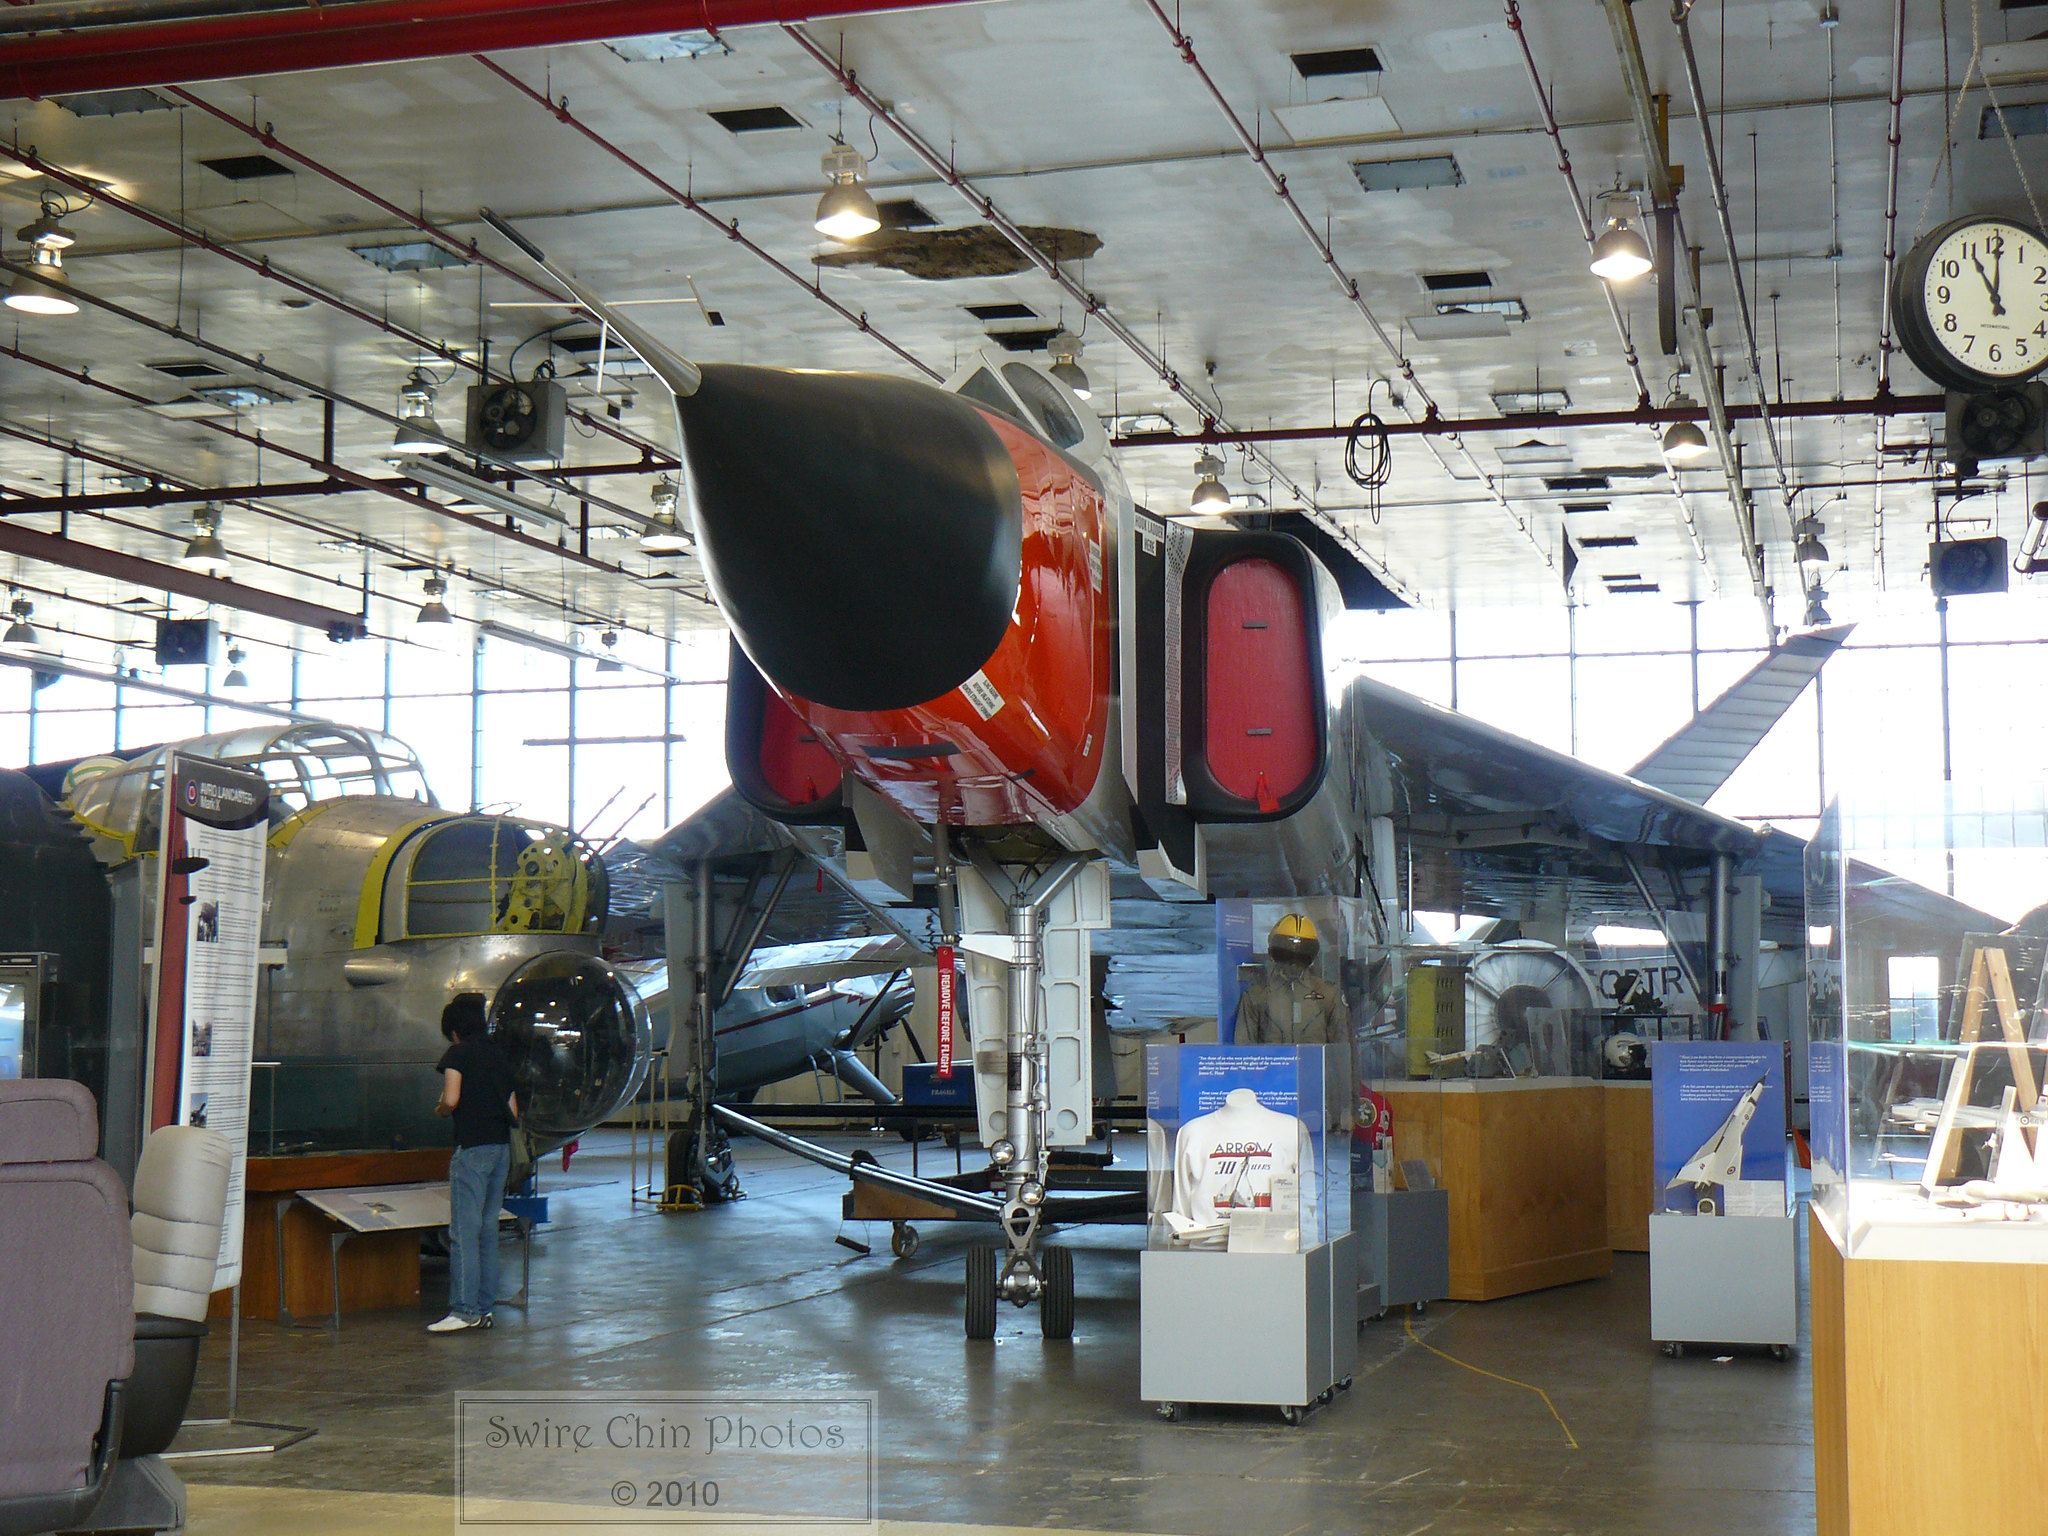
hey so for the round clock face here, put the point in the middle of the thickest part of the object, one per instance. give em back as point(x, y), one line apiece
point(1981, 306)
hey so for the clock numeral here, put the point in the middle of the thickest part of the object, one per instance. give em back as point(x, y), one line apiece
point(1969, 340)
point(2042, 329)
point(1948, 322)
point(1995, 354)
point(2041, 277)
point(1951, 269)
point(1941, 294)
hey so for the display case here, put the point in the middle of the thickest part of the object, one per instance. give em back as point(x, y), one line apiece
point(1929, 1023)
point(1240, 1157)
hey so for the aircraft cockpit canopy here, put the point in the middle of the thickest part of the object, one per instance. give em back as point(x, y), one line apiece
point(305, 762)
point(472, 876)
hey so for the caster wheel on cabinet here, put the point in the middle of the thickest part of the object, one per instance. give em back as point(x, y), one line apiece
point(1173, 1413)
point(1781, 1351)
point(904, 1241)
point(1294, 1415)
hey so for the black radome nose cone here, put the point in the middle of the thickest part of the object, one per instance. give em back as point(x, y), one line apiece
point(862, 534)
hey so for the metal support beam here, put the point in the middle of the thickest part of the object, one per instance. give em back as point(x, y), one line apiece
point(149, 575)
point(229, 43)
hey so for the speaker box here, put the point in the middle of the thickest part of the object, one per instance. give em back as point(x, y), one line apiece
point(186, 642)
point(1966, 567)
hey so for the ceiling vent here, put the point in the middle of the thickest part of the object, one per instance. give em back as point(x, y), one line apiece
point(190, 368)
point(1033, 339)
point(1419, 174)
point(905, 213)
point(1506, 309)
point(1572, 485)
point(1534, 452)
point(664, 46)
point(1620, 588)
point(239, 397)
point(409, 256)
point(990, 313)
point(246, 167)
point(755, 119)
point(1586, 508)
point(1361, 64)
point(1609, 540)
point(1456, 282)
point(113, 103)
point(1528, 402)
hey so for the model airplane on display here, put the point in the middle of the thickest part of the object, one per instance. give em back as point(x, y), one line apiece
point(1718, 1162)
point(971, 673)
point(378, 908)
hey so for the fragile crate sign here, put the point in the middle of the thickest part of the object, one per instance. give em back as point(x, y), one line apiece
point(947, 1004)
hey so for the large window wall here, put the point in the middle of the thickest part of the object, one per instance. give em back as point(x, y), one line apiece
point(1926, 696)
point(501, 725)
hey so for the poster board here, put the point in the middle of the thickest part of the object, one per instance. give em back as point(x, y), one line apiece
point(1718, 1127)
point(209, 919)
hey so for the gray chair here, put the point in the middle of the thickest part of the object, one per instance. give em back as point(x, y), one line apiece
point(67, 1299)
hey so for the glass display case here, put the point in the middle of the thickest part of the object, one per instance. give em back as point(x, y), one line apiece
point(1927, 930)
point(1240, 1153)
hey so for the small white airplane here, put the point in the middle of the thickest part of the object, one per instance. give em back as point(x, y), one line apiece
point(1718, 1162)
point(2019, 1171)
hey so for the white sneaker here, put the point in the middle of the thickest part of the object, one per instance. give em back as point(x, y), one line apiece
point(454, 1323)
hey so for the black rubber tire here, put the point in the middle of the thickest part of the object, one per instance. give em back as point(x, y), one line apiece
point(981, 1292)
point(1293, 1416)
point(1781, 1351)
point(1056, 1300)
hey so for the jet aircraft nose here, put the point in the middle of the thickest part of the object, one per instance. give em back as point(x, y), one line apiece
point(862, 534)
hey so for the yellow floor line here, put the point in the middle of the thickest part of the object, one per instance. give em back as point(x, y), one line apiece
point(1466, 1365)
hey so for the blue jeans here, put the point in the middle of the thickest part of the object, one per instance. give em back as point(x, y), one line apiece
point(476, 1190)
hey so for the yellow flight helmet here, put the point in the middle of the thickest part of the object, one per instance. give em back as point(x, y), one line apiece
point(1294, 938)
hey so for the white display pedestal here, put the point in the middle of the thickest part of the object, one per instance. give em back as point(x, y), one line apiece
point(1279, 1329)
point(1723, 1280)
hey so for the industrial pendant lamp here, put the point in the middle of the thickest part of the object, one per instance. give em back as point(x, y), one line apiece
point(418, 432)
point(664, 534)
point(236, 677)
point(434, 618)
point(1620, 255)
point(204, 552)
point(1816, 607)
point(21, 634)
point(1808, 547)
point(846, 211)
point(1209, 495)
point(609, 661)
point(1065, 348)
point(43, 293)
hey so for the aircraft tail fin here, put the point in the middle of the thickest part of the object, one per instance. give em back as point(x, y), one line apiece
point(1705, 752)
point(678, 373)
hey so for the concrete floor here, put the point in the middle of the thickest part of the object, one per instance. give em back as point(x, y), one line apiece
point(757, 1298)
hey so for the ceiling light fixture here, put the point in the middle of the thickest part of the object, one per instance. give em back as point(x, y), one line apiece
point(664, 534)
point(42, 291)
point(846, 212)
point(1209, 494)
point(236, 677)
point(1620, 254)
point(418, 432)
point(481, 493)
point(1816, 607)
point(1808, 547)
point(609, 661)
point(1065, 348)
point(204, 551)
point(434, 612)
point(21, 634)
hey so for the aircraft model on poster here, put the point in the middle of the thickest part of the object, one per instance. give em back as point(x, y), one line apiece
point(1718, 1162)
point(971, 674)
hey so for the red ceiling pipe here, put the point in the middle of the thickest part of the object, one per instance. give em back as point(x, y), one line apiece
point(367, 32)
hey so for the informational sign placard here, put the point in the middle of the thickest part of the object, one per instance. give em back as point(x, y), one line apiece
point(209, 922)
point(1718, 1127)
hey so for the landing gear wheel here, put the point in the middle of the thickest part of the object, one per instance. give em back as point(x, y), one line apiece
point(981, 1293)
point(903, 1240)
point(1781, 1351)
point(1293, 1416)
point(1056, 1300)
point(1173, 1413)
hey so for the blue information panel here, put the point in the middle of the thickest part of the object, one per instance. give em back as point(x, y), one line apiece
point(1718, 1111)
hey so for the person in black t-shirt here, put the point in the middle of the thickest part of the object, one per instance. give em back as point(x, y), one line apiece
point(479, 1094)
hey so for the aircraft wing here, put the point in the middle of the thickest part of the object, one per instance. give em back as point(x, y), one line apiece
point(1703, 753)
point(829, 960)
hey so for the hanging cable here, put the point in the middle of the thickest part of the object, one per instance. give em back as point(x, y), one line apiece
point(1369, 454)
